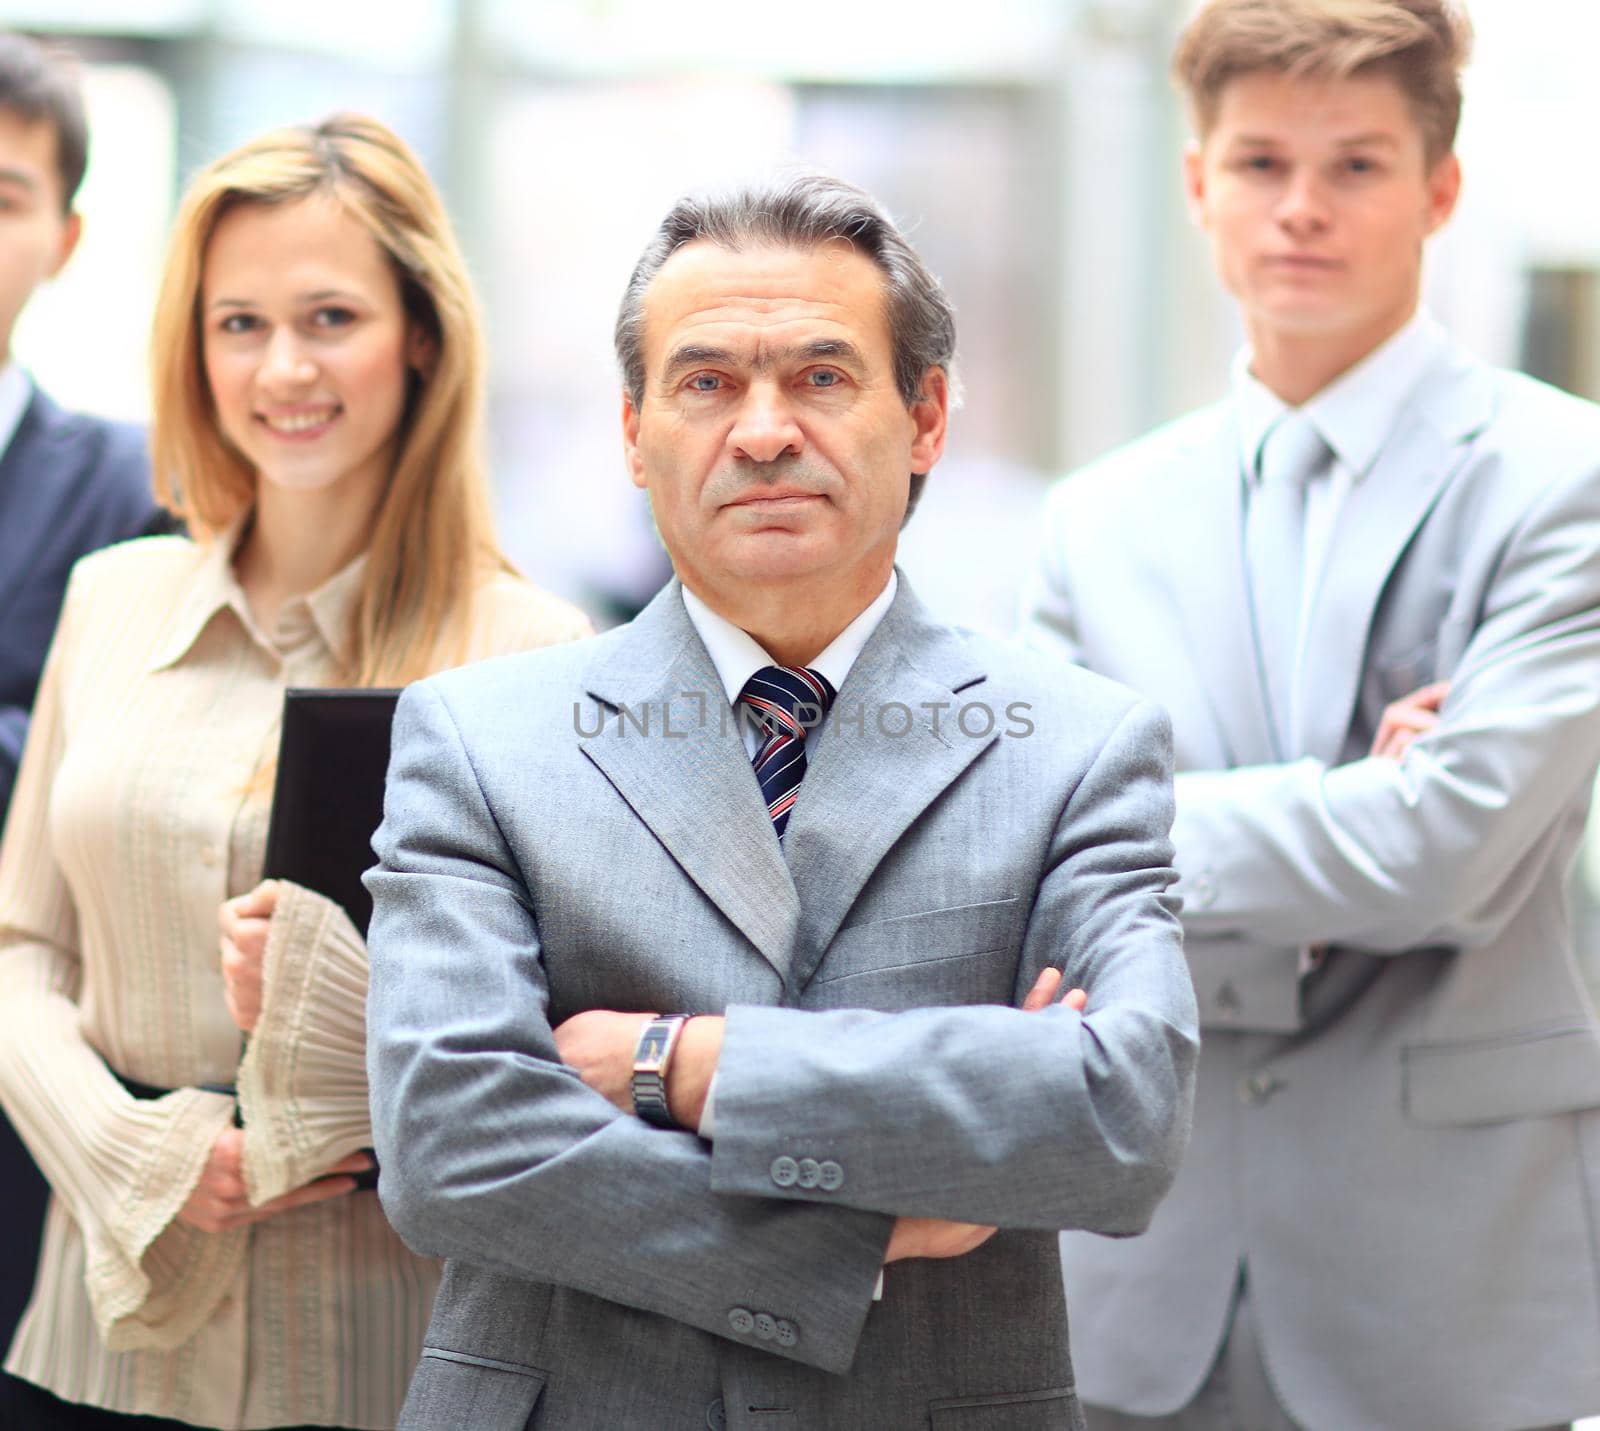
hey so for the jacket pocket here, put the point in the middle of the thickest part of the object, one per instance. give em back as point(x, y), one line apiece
point(909, 943)
point(1056, 1409)
point(1536, 1074)
point(454, 1390)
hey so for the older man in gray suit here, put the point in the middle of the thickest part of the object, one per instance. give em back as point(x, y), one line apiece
point(1389, 1214)
point(782, 1211)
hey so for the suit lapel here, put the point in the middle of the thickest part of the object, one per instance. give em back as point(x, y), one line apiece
point(1374, 527)
point(29, 492)
point(879, 764)
point(688, 776)
point(1203, 519)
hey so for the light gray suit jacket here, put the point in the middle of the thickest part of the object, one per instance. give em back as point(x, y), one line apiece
point(1405, 1151)
point(541, 856)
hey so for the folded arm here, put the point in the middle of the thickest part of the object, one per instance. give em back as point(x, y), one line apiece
point(1048, 1119)
point(1441, 846)
point(495, 1152)
point(918, 1113)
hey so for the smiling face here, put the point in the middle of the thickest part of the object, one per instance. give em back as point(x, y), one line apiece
point(1317, 195)
point(36, 235)
point(306, 345)
point(774, 444)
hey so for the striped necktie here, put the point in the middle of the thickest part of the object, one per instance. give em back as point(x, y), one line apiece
point(786, 702)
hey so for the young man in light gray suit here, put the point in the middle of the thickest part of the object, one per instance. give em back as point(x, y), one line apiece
point(1367, 586)
point(782, 1212)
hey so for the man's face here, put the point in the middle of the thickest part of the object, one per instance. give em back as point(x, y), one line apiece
point(1317, 195)
point(772, 440)
point(36, 237)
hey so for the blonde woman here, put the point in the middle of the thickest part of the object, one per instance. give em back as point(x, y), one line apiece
point(318, 421)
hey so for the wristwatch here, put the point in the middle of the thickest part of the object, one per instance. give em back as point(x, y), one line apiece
point(651, 1055)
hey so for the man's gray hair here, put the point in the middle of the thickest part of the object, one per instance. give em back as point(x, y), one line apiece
point(803, 211)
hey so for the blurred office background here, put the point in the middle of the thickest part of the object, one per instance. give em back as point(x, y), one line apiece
point(1031, 146)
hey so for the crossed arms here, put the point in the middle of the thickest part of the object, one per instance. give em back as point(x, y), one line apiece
point(1438, 835)
point(495, 1151)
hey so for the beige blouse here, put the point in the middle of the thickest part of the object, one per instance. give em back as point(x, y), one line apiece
point(136, 813)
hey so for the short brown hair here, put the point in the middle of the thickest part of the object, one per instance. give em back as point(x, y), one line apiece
point(40, 83)
point(1422, 44)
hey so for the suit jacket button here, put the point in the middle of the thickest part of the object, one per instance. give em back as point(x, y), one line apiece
point(717, 1416)
point(766, 1327)
point(1227, 999)
point(810, 1173)
point(742, 1320)
point(787, 1333)
point(785, 1172)
point(830, 1176)
point(1204, 890)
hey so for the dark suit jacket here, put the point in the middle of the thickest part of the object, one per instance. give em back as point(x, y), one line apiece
point(69, 484)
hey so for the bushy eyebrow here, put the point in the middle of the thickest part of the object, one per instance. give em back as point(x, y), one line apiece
point(695, 355)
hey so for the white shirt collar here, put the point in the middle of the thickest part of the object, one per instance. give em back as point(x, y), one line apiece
point(1358, 410)
point(738, 656)
point(16, 391)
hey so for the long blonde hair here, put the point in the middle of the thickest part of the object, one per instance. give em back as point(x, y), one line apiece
point(433, 540)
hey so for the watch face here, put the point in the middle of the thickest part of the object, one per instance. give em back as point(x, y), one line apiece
point(653, 1043)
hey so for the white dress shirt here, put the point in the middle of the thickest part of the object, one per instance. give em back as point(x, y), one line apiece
point(737, 655)
point(15, 393)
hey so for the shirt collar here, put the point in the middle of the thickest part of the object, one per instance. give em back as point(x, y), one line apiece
point(738, 656)
point(326, 611)
point(16, 391)
point(1358, 410)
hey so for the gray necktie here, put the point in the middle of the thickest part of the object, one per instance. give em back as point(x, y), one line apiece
point(1274, 543)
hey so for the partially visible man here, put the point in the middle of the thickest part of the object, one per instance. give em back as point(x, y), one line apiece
point(1367, 586)
point(69, 484)
point(653, 1222)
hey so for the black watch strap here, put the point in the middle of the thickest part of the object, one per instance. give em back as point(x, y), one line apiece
point(651, 1059)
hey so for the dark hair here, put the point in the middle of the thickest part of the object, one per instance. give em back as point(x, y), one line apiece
point(804, 211)
point(40, 83)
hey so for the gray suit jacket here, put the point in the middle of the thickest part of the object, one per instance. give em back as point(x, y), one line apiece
point(541, 855)
point(1405, 1151)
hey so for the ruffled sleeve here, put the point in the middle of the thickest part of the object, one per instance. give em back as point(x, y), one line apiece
point(303, 1080)
point(122, 1167)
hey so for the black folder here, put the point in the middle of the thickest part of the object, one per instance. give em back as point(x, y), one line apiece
point(328, 799)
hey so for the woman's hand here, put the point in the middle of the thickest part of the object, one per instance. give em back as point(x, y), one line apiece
point(218, 1202)
point(245, 922)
